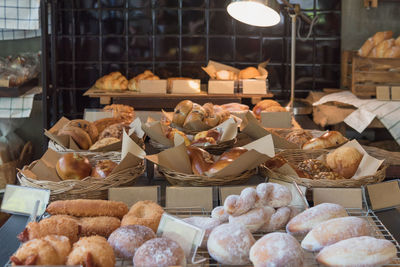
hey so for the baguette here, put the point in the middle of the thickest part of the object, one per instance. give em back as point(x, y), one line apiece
point(380, 49)
point(374, 41)
point(88, 208)
point(393, 52)
point(308, 219)
point(397, 41)
point(358, 251)
point(333, 231)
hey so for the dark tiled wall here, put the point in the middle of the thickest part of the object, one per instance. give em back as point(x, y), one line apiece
point(176, 37)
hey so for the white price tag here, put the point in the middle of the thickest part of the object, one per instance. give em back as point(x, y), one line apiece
point(94, 114)
point(22, 200)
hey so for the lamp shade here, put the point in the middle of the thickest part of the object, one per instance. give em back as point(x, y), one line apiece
point(262, 13)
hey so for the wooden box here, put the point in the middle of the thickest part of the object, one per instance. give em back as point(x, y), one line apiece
point(362, 74)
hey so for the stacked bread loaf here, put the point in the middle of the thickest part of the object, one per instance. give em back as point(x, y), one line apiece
point(381, 45)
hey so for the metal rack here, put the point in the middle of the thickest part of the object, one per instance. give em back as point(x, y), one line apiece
point(378, 230)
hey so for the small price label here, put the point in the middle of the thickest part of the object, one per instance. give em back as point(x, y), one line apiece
point(22, 200)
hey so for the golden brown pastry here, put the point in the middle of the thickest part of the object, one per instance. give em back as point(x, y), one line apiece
point(393, 52)
point(87, 126)
point(92, 251)
point(80, 136)
point(233, 153)
point(313, 167)
point(196, 114)
point(104, 123)
point(222, 113)
point(102, 225)
point(374, 41)
point(112, 81)
point(263, 105)
point(397, 41)
point(146, 213)
point(344, 161)
point(330, 175)
point(181, 111)
point(50, 250)
point(72, 166)
point(104, 142)
point(103, 168)
point(124, 112)
point(226, 75)
point(235, 107)
point(54, 225)
point(380, 49)
point(115, 131)
point(200, 159)
point(211, 136)
point(170, 134)
point(327, 140)
point(211, 118)
point(298, 137)
point(146, 75)
point(88, 208)
point(249, 73)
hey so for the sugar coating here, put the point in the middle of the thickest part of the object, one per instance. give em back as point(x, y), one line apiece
point(252, 220)
point(230, 244)
point(237, 205)
point(277, 249)
point(159, 252)
point(220, 214)
point(278, 220)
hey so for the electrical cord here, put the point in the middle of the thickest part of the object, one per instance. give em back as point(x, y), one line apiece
point(314, 20)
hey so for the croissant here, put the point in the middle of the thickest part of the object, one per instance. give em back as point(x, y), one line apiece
point(112, 81)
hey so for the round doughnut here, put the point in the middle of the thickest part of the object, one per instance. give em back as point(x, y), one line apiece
point(159, 252)
point(274, 195)
point(236, 205)
point(220, 214)
point(277, 221)
point(205, 223)
point(277, 249)
point(230, 244)
point(147, 213)
point(252, 220)
point(127, 239)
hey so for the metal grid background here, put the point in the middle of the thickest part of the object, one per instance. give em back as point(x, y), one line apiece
point(90, 38)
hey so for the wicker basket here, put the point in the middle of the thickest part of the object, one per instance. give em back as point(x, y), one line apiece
point(183, 179)
point(295, 156)
point(217, 149)
point(88, 188)
point(60, 148)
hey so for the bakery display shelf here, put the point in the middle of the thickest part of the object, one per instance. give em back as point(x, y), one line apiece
point(377, 228)
point(19, 90)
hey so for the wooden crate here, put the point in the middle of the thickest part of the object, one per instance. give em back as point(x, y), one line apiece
point(362, 75)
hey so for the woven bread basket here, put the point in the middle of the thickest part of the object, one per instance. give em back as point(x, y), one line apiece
point(217, 149)
point(295, 156)
point(183, 179)
point(88, 188)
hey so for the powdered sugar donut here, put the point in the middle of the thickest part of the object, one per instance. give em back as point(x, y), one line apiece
point(127, 239)
point(277, 249)
point(279, 196)
point(220, 214)
point(230, 244)
point(293, 212)
point(159, 252)
point(236, 205)
point(277, 221)
point(263, 191)
point(205, 223)
point(252, 220)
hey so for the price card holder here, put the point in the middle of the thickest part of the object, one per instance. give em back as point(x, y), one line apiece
point(346, 197)
point(276, 119)
point(131, 195)
point(22, 200)
point(94, 114)
point(183, 197)
point(188, 236)
point(383, 196)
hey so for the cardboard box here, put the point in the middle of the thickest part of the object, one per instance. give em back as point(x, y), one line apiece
point(254, 87)
point(276, 119)
point(221, 87)
point(152, 86)
point(191, 86)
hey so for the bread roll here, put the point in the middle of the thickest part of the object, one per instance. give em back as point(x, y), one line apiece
point(358, 251)
point(104, 123)
point(381, 48)
point(80, 136)
point(397, 41)
point(114, 131)
point(344, 161)
point(104, 142)
point(197, 113)
point(252, 220)
point(334, 230)
point(218, 165)
point(298, 137)
point(263, 105)
point(72, 166)
point(230, 244)
point(308, 219)
point(181, 111)
point(366, 47)
point(205, 223)
point(393, 52)
point(277, 221)
point(277, 249)
point(233, 153)
point(249, 73)
point(237, 205)
point(329, 139)
point(161, 252)
point(200, 159)
point(103, 168)
point(87, 126)
point(112, 81)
